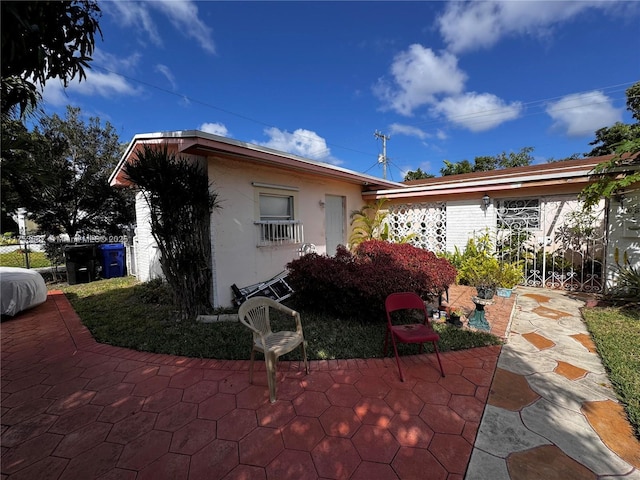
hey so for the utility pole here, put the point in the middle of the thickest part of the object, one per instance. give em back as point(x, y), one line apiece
point(382, 158)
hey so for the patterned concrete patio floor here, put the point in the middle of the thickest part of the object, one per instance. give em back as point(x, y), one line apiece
point(75, 409)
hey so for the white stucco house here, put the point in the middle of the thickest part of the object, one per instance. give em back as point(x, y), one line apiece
point(532, 214)
point(274, 202)
point(271, 203)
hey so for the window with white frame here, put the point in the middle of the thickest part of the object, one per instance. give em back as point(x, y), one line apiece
point(519, 214)
point(276, 222)
point(276, 207)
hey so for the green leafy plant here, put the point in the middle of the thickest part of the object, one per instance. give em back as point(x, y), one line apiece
point(478, 265)
point(482, 271)
point(510, 275)
point(370, 223)
point(627, 286)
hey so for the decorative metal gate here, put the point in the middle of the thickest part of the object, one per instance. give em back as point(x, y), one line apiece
point(557, 244)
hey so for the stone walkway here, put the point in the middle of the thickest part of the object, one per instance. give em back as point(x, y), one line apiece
point(552, 413)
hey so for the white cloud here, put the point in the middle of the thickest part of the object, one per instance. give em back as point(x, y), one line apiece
point(305, 143)
point(112, 62)
point(477, 111)
point(473, 25)
point(96, 84)
point(214, 128)
point(136, 15)
point(183, 15)
point(441, 135)
point(419, 75)
point(399, 129)
point(166, 71)
point(583, 113)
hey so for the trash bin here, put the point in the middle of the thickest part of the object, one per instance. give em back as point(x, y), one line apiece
point(81, 262)
point(112, 260)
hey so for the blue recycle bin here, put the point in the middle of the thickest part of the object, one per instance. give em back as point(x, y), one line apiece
point(112, 260)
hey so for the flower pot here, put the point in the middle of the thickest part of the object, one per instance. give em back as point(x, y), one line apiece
point(504, 292)
point(454, 320)
point(485, 293)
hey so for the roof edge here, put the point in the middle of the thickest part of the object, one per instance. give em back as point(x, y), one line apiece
point(198, 134)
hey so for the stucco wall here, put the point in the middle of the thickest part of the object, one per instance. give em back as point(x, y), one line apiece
point(234, 236)
point(466, 218)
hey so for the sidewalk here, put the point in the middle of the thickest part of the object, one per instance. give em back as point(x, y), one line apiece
point(72, 408)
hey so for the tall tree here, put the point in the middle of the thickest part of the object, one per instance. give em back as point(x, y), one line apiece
point(456, 168)
point(487, 163)
point(623, 169)
point(417, 175)
point(43, 40)
point(522, 158)
point(62, 176)
point(608, 139)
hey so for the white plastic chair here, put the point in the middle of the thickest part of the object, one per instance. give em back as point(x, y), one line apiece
point(254, 314)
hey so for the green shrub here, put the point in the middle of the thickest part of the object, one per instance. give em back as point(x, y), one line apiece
point(155, 292)
point(478, 265)
point(481, 271)
point(180, 202)
point(627, 287)
point(8, 238)
point(17, 259)
point(511, 274)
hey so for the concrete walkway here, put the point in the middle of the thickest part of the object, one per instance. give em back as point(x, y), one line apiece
point(75, 409)
point(551, 413)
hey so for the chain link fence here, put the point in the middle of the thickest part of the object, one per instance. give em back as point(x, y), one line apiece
point(47, 255)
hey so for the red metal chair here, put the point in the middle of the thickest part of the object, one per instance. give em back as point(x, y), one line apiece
point(409, 333)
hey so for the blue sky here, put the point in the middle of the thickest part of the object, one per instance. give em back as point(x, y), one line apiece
point(443, 80)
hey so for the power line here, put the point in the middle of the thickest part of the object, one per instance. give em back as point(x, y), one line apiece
point(321, 153)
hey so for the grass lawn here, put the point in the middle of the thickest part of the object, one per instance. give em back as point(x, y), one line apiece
point(16, 259)
point(120, 311)
point(616, 333)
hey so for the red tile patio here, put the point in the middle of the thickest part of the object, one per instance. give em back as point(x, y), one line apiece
point(75, 409)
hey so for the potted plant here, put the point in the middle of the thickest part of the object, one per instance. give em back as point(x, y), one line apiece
point(483, 272)
point(455, 316)
point(510, 276)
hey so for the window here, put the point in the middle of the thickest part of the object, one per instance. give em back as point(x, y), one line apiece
point(519, 214)
point(276, 207)
point(276, 221)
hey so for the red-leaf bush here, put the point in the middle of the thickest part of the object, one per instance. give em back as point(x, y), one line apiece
point(356, 284)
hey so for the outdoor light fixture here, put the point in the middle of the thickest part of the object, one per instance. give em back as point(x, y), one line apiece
point(486, 200)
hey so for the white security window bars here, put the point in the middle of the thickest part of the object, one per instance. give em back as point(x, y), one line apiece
point(519, 214)
point(277, 224)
